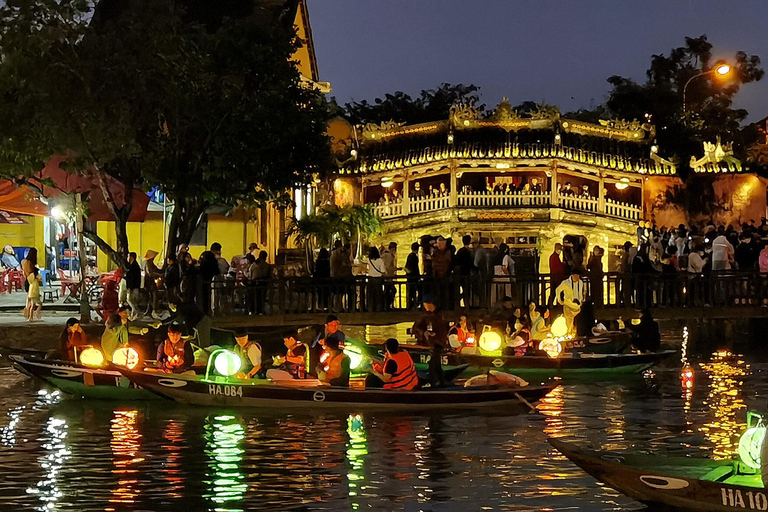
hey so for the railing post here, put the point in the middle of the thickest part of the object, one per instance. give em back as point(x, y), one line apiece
point(601, 196)
point(406, 196)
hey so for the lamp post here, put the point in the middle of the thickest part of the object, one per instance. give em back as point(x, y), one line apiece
point(721, 71)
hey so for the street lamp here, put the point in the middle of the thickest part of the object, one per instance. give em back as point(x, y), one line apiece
point(720, 71)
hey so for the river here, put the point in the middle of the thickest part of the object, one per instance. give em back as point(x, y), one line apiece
point(74, 455)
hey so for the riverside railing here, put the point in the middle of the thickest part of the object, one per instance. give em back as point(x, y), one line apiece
point(362, 294)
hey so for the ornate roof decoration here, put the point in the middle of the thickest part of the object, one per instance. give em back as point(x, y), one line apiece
point(463, 115)
point(612, 129)
point(717, 158)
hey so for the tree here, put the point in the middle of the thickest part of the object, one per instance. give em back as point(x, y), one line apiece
point(709, 113)
point(430, 105)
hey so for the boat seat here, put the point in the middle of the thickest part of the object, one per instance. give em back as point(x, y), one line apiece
point(719, 474)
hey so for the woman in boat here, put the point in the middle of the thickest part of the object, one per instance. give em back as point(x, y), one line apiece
point(72, 340)
point(397, 371)
point(459, 333)
point(175, 354)
point(115, 336)
point(539, 328)
point(336, 368)
point(249, 353)
point(520, 339)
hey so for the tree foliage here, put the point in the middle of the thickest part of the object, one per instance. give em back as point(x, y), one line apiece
point(430, 105)
point(349, 224)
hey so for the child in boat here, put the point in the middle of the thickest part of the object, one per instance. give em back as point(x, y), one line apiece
point(115, 336)
point(72, 339)
point(249, 353)
point(175, 354)
point(336, 368)
point(34, 303)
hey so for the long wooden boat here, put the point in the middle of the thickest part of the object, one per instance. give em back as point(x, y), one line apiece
point(80, 380)
point(542, 367)
point(219, 391)
point(684, 483)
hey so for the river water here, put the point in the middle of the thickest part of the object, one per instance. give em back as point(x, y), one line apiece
point(74, 455)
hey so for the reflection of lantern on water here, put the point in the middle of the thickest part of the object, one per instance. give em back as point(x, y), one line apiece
point(224, 439)
point(175, 443)
point(357, 449)
point(125, 444)
point(126, 356)
point(490, 342)
point(56, 454)
point(686, 377)
point(91, 357)
point(551, 406)
point(724, 400)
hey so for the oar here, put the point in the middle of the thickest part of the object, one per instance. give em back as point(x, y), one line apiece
point(526, 402)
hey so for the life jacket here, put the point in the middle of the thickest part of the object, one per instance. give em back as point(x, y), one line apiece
point(298, 370)
point(242, 353)
point(333, 366)
point(405, 377)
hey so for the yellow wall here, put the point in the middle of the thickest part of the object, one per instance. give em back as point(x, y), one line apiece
point(31, 234)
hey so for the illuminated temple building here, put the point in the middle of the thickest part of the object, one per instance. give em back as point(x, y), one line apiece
point(529, 181)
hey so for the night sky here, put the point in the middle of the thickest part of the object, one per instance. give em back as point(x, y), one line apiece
point(559, 52)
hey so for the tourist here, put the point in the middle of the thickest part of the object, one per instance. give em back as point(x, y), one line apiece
point(566, 190)
point(570, 294)
point(585, 192)
point(208, 270)
point(465, 263)
point(172, 279)
point(151, 274)
point(115, 336)
point(257, 271)
point(442, 263)
point(483, 262)
point(763, 259)
point(557, 271)
point(520, 339)
point(322, 278)
point(376, 273)
point(443, 190)
point(331, 330)
point(34, 302)
point(238, 263)
point(459, 333)
point(175, 354)
point(189, 279)
point(389, 257)
point(595, 273)
point(647, 335)
point(417, 192)
point(722, 253)
point(223, 264)
point(295, 359)
point(539, 328)
point(747, 252)
point(27, 264)
point(249, 353)
point(336, 257)
point(432, 331)
point(132, 278)
point(72, 340)
point(335, 370)
point(504, 273)
point(396, 372)
point(412, 276)
point(535, 187)
point(8, 260)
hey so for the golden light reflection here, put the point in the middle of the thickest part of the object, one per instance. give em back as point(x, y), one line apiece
point(125, 444)
point(614, 412)
point(725, 373)
point(56, 454)
point(224, 437)
point(173, 433)
point(357, 450)
point(551, 406)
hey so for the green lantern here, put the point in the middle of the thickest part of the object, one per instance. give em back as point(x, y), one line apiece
point(226, 362)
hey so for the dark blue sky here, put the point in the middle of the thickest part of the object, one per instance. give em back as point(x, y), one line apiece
point(559, 52)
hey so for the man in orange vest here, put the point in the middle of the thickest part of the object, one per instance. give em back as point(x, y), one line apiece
point(335, 369)
point(397, 372)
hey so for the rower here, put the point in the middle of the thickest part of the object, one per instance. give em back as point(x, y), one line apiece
point(72, 340)
point(175, 354)
point(295, 358)
point(249, 353)
point(398, 370)
point(336, 369)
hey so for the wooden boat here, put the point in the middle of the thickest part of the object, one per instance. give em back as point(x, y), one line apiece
point(80, 380)
point(684, 483)
point(220, 391)
point(612, 342)
point(542, 367)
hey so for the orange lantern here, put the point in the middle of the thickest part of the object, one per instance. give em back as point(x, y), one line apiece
point(126, 356)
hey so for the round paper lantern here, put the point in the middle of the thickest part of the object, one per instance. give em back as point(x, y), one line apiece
point(227, 363)
point(490, 341)
point(355, 356)
point(126, 356)
point(750, 446)
point(91, 357)
point(559, 327)
point(551, 346)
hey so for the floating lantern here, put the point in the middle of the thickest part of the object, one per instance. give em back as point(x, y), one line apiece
point(226, 363)
point(551, 346)
point(750, 446)
point(490, 340)
point(91, 357)
point(126, 356)
point(355, 356)
point(686, 377)
point(470, 341)
point(559, 327)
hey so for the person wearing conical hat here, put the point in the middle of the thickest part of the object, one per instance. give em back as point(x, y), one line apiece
point(152, 275)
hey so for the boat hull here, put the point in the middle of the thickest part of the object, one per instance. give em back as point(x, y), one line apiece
point(226, 393)
point(656, 488)
point(81, 381)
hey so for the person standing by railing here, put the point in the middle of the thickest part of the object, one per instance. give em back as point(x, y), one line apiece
point(389, 257)
point(442, 264)
point(466, 266)
point(595, 273)
point(412, 275)
point(483, 264)
point(376, 273)
point(557, 272)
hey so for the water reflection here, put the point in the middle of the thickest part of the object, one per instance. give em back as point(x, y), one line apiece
point(56, 455)
point(357, 449)
point(551, 406)
point(224, 437)
point(173, 444)
point(725, 373)
point(8, 432)
point(125, 444)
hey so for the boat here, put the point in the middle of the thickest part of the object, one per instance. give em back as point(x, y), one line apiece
point(684, 483)
point(611, 342)
point(224, 392)
point(80, 380)
point(574, 364)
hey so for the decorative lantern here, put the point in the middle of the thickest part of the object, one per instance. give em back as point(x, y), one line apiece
point(91, 357)
point(559, 327)
point(126, 356)
point(227, 363)
point(750, 446)
point(490, 342)
point(355, 356)
point(551, 346)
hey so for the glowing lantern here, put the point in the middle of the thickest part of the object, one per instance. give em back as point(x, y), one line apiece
point(559, 327)
point(750, 446)
point(686, 377)
point(490, 340)
point(470, 341)
point(551, 346)
point(227, 363)
point(355, 356)
point(92, 357)
point(126, 356)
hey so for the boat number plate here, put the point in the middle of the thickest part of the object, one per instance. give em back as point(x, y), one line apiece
point(319, 396)
point(216, 389)
point(425, 358)
point(748, 500)
point(498, 363)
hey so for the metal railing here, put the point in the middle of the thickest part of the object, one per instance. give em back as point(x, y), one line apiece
point(299, 295)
